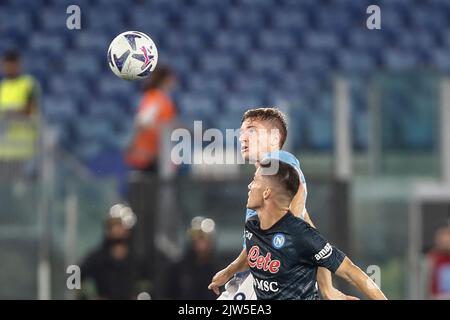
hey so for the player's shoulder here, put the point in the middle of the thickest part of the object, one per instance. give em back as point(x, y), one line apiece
point(303, 235)
point(298, 223)
point(288, 158)
point(283, 156)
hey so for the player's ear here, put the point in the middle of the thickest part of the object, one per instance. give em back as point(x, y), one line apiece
point(267, 193)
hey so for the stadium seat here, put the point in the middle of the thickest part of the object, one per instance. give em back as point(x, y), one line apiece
point(364, 39)
point(82, 63)
point(263, 61)
point(32, 5)
point(113, 87)
point(183, 41)
point(52, 19)
point(238, 104)
point(417, 39)
point(277, 41)
point(245, 20)
point(47, 44)
point(78, 87)
point(253, 84)
point(355, 61)
point(430, 19)
point(394, 19)
point(92, 42)
point(197, 104)
point(396, 59)
point(207, 83)
point(441, 59)
point(227, 121)
point(217, 62)
point(105, 108)
point(333, 18)
point(233, 41)
point(202, 21)
point(58, 108)
point(321, 40)
point(139, 17)
point(111, 19)
point(293, 21)
point(310, 62)
point(320, 130)
point(21, 23)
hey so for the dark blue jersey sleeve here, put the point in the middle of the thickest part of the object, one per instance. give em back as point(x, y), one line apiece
point(315, 249)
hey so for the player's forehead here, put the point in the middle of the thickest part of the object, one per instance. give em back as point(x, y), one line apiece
point(254, 123)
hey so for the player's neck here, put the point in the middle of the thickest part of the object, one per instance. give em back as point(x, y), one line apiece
point(270, 214)
point(269, 149)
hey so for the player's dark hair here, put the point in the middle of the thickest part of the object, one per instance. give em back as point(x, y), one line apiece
point(157, 78)
point(271, 115)
point(286, 175)
point(11, 56)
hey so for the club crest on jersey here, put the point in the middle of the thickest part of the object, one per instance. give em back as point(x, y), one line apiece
point(278, 241)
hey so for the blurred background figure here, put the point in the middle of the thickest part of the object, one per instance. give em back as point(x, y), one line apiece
point(155, 114)
point(439, 264)
point(19, 93)
point(19, 110)
point(188, 278)
point(155, 110)
point(111, 270)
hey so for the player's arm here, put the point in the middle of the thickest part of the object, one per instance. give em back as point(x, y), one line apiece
point(354, 275)
point(323, 254)
point(324, 279)
point(220, 278)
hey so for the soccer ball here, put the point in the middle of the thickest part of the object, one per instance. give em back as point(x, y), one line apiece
point(132, 55)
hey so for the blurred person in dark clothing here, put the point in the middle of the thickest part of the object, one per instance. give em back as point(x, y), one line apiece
point(189, 278)
point(439, 264)
point(111, 271)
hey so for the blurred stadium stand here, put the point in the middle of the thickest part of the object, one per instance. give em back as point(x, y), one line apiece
point(226, 54)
